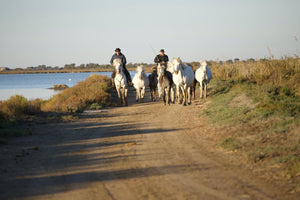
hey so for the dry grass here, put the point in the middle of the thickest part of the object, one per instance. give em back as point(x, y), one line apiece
point(259, 102)
point(95, 89)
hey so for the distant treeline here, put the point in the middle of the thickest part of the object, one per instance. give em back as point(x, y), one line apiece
point(103, 67)
point(71, 68)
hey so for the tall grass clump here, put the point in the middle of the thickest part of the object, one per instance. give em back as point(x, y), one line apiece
point(95, 89)
point(272, 83)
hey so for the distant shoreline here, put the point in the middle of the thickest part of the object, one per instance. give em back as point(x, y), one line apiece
point(147, 69)
point(52, 71)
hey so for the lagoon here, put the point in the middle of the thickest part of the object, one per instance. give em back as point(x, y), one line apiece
point(33, 86)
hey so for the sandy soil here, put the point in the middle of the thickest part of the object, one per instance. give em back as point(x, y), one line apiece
point(143, 151)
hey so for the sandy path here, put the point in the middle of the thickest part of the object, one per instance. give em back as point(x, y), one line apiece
point(143, 151)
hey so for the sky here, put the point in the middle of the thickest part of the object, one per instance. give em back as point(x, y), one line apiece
point(59, 32)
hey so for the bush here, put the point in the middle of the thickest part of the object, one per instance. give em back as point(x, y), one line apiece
point(95, 89)
point(17, 106)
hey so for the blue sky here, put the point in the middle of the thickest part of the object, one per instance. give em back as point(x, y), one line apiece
point(58, 32)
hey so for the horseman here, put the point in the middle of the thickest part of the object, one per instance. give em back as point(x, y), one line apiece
point(162, 58)
point(119, 55)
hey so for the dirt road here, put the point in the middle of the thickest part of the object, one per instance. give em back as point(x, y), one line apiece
point(143, 151)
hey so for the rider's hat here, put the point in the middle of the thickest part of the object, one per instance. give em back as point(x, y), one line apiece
point(162, 50)
point(118, 50)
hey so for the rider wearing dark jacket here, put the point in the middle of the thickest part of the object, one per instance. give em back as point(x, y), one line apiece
point(119, 55)
point(161, 58)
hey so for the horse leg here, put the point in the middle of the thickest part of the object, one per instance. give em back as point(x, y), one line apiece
point(194, 90)
point(119, 94)
point(140, 94)
point(137, 91)
point(205, 89)
point(159, 90)
point(189, 95)
point(151, 93)
point(185, 94)
point(181, 89)
point(169, 95)
point(143, 94)
point(201, 89)
point(164, 96)
point(178, 94)
point(172, 94)
point(125, 95)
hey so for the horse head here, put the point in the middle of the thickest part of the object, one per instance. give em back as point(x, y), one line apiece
point(140, 71)
point(117, 65)
point(177, 65)
point(203, 65)
point(170, 67)
point(160, 69)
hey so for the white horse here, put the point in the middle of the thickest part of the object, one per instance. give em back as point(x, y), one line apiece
point(183, 78)
point(203, 76)
point(120, 81)
point(140, 81)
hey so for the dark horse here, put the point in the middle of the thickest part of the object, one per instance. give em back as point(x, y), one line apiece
point(165, 82)
point(153, 83)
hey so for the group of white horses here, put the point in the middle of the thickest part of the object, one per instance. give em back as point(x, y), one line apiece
point(175, 81)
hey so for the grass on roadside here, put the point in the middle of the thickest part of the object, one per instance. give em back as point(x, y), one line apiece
point(258, 104)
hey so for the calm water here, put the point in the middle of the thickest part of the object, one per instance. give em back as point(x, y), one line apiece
point(35, 85)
